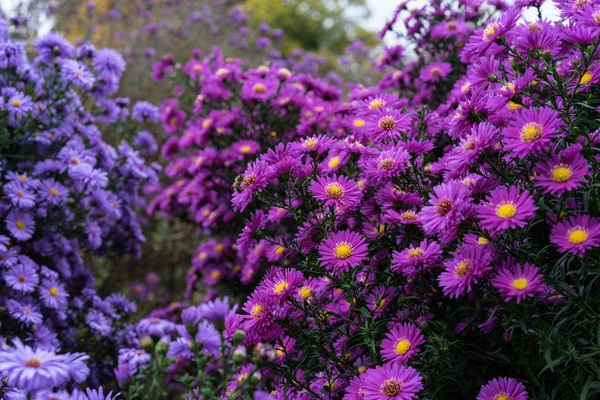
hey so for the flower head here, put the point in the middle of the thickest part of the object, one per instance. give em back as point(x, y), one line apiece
point(577, 234)
point(342, 251)
point(401, 343)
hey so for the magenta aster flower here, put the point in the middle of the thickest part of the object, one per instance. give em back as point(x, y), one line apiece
point(391, 382)
point(507, 208)
point(33, 370)
point(562, 173)
point(387, 164)
point(412, 260)
point(447, 206)
point(435, 72)
point(519, 282)
point(532, 131)
point(281, 282)
point(259, 89)
point(386, 124)
point(246, 239)
point(485, 37)
point(342, 251)
point(253, 180)
point(468, 265)
point(340, 192)
point(401, 343)
point(576, 235)
point(503, 389)
point(260, 320)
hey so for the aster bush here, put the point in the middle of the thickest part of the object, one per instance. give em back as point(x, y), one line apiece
point(225, 115)
point(67, 197)
point(452, 251)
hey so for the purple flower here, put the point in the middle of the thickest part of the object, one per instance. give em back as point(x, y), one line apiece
point(24, 311)
point(401, 343)
point(19, 194)
point(98, 322)
point(53, 294)
point(343, 250)
point(577, 234)
point(109, 63)
point(519, 282)
point(144, 111)
point(22, 277)
point(507, 208)
point(33, 370)
point(77, 73)
point(20, 224)
point(468, 265)
point(339, 192)
point(507, 388)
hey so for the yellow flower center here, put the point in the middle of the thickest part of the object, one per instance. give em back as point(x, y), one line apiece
point(386, 163)
point(409, 215)
point(462, 269)
point(443, 207)
point(219, 247)
point(586, 78)
point(256, 310)
point(375, 104)
point(334, 190)
point(403, 346)
point(489, 31)
point(465, 87)
point(279, 250)
point(305, 292)
point(507, 210)
point(561, 173)
point(436, 71)
point(358, 123)
point(578, 235)
point(417, 252)
point(259, 88)
point(53, 291)
point(245, 149)
point(531, 131)
point(391, 388)
point(53, 192)
point(206, 123)
point(20, 194)
point(343, 251)
point(512, 106)
point(16, 103)
point(387, 123)
point(502, 396)
point(520, 284)
point(280, 287)
point(33, 362)
point(334, 162)
point(310, 143)
point(482, 241)
point(20, 225)
point(222, 72)
point(215, 274)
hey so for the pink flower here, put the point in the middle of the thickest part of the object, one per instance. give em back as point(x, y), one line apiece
point(519, 282)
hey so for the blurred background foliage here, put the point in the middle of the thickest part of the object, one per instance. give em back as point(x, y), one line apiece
point(144, 31)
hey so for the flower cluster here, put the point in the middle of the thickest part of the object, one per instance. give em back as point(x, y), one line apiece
point(189, 349)
point(67, 195)
point(228, 116)
point(442, 230)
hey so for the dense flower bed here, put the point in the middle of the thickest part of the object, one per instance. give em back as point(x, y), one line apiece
point(433, 236)
point(66, 196)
